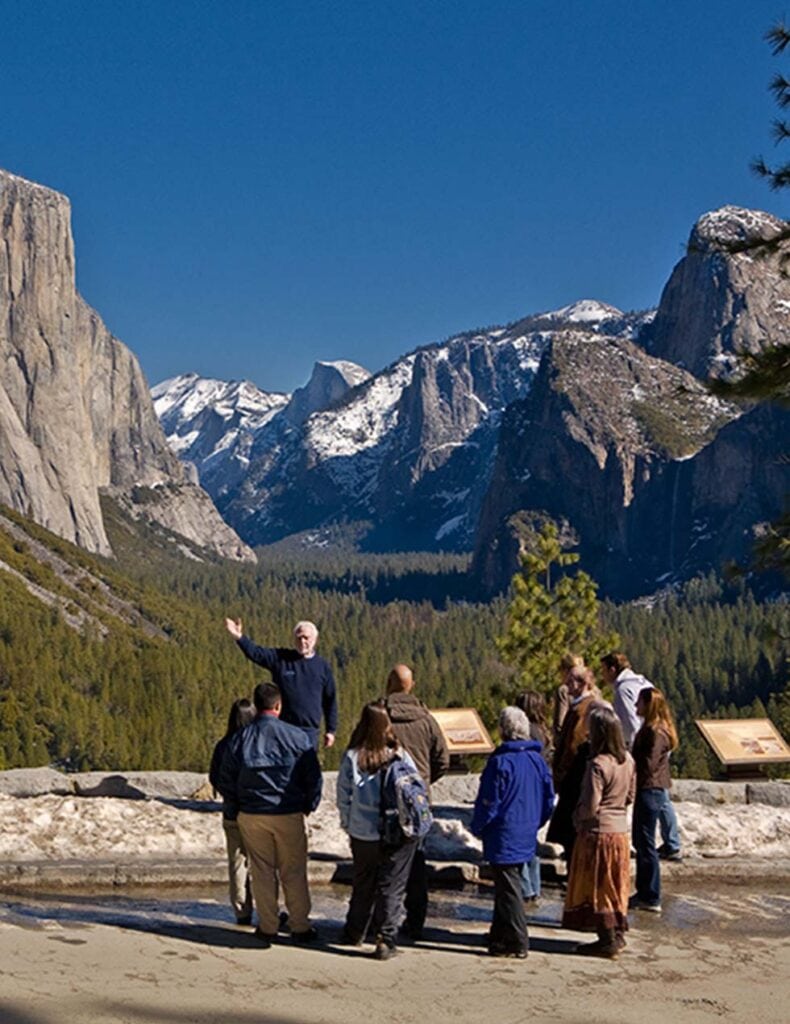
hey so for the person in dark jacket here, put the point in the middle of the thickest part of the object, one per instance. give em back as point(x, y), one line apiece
point(653, 745)
point(242, 712)
point(270, 777)
point(514, 800)
point(303, 677)
point(417, 732)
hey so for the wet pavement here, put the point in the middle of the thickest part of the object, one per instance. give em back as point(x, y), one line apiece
point(696, 908)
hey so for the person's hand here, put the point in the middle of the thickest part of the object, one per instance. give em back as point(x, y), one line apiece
point(329, 739)
point(233, 626)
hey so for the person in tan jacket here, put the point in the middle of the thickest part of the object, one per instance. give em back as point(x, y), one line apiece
point(418, 732)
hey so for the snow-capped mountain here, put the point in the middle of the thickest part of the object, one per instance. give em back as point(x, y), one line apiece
point(216, 425)
point(408, 449)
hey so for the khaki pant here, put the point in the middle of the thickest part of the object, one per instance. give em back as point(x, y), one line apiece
point(276, 846)
point(238, 870)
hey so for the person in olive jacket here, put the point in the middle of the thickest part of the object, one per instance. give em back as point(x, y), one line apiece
point(418, 732)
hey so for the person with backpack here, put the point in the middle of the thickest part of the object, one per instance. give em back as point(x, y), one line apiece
point(384, 813)
point(515, 799)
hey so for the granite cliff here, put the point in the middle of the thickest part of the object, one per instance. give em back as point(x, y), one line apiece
point(650, 475)
point(76, 416)
point(727, 296)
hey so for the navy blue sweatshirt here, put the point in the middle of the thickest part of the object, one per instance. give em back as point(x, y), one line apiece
point(307, 684)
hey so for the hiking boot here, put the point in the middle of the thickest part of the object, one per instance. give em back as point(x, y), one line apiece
point(305, 938)
point(384, 951)
point(349, 939)
point(264, 938)
point(637, 903)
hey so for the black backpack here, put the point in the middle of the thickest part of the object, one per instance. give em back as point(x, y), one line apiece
point(405, 809)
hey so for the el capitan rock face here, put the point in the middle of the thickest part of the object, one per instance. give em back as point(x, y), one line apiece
point(76, 416)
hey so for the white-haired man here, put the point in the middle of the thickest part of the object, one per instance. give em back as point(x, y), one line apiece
point(304, 678)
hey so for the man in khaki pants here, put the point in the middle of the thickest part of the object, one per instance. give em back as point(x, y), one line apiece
point(270, 772)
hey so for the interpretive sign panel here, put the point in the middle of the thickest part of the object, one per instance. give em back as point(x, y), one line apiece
point(744, 741)
point(463, 730)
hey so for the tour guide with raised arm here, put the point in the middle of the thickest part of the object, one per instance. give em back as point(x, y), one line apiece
point(304, 678)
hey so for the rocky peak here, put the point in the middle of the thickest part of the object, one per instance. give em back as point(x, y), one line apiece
point(723, 299)
point(329, 382)
point(730, 227)
point(585, 311)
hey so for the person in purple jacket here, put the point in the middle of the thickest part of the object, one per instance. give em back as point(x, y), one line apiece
point(303, 677)
point(515, 799)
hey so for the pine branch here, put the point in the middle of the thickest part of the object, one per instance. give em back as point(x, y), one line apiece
point(778, 37)
point(780, 87)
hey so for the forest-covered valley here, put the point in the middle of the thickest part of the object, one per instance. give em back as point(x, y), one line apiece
point(126, 664)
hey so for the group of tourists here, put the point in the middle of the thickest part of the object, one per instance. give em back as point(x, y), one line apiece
point(595, 760)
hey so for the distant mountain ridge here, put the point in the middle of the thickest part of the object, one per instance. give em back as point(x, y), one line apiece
point(458, 444)
point(409, 449)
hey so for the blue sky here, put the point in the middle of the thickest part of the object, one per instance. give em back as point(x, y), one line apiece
point(256, 185)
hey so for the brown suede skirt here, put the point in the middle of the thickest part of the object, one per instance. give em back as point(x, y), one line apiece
point(599, 882)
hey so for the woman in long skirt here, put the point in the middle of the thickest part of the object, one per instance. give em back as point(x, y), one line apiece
point(599, 876)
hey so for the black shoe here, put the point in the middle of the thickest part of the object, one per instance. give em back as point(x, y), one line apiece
point(244, 921)
point(673, 855)
point(605, 950)
point(349, 939)
point(413, 932)
point(305, 938)
point(264, 938)
point(283, 920)
point(507, 952)
point(384, 951)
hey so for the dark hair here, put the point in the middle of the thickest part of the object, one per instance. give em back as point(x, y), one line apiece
point(373, 737)
point(266, 696)
point(606, 733)
point(616, 659)
point(533, 704)
point(241, 713)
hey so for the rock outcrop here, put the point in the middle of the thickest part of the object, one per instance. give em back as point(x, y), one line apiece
point(76, 417)
point(623, 446)
point(725, 296)
point(650, 475)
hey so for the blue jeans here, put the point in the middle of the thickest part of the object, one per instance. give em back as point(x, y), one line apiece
point(530, 878)
point(668, 824)
point(647, 809)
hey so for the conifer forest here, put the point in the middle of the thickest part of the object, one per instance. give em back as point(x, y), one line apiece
point(126, 664)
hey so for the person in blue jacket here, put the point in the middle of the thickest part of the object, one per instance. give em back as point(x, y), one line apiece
point(515, 799)
point(270, 779)
point(303, 677)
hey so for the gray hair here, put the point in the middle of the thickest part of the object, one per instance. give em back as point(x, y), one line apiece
point(306, 624)
point(513, 724)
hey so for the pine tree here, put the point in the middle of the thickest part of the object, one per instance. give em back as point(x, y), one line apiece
point(547, 617)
